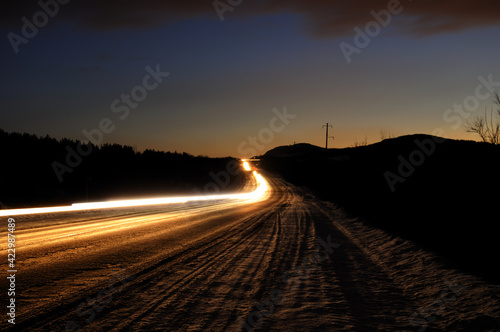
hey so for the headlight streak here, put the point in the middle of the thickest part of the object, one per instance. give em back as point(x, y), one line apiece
point(246, 166)
point(259, 194)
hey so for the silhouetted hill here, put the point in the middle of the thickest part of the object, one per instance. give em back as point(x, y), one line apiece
point(37, 171)
point(300, 149)
point(441, 193)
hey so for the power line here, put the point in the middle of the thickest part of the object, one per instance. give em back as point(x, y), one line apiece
point(327, 126)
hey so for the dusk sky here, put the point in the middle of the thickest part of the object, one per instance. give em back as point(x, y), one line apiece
point(227, 76)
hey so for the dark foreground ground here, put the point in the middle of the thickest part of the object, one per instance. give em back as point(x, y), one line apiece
point(287, 263)
point(439, 193)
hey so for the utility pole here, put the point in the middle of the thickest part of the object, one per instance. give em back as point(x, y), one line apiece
point(327, 126)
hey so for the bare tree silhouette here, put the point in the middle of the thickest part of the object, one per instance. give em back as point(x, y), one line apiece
point(385, 134)
point(363, 142)
point(487, 127)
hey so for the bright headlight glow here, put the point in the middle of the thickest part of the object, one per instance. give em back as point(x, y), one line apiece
point(246, 166)
point(260, 193)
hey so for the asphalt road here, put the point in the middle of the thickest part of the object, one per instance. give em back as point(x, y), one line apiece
point(280, 261)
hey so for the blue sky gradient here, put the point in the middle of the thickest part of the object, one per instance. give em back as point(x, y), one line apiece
point(227, 77)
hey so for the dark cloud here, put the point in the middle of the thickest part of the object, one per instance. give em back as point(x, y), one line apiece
point(420, 17)
point(322, 18)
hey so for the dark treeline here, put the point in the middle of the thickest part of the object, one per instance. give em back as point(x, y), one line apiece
point(440, 193)
point(28, 176)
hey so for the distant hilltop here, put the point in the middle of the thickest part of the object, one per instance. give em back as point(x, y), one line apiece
point(299, 149)
point(306, 149)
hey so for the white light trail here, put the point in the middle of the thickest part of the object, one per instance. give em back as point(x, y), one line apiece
point(260, 193)
point(246, 166)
